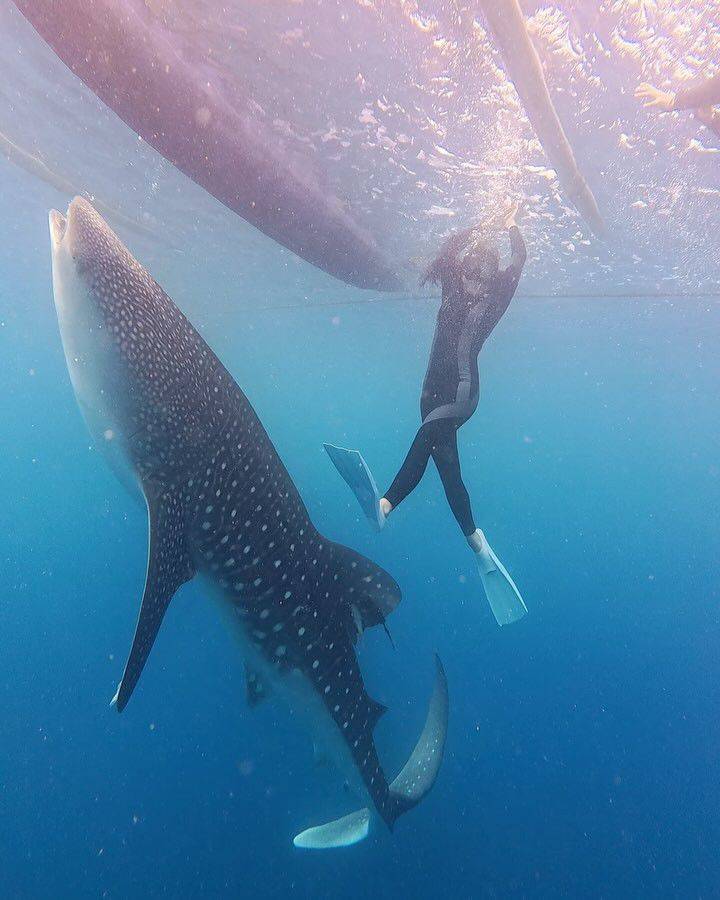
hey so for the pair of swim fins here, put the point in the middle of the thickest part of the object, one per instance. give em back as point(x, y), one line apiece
point(503, 596)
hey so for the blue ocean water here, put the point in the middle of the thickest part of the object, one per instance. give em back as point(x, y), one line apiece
point(582, 752)
point(582, 756)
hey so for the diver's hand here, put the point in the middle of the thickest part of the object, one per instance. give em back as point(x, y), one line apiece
point(653, 97)
point(511, 216)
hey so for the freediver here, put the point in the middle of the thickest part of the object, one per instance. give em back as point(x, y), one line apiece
point(476, 292)
point(701, 97)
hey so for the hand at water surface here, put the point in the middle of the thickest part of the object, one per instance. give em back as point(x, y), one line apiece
point(511, 216)
point(654, 98)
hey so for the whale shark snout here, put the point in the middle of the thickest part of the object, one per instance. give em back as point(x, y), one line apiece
point(81, 233)
point(58, 226)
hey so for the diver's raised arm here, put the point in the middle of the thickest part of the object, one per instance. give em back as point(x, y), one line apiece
point(705, 93)
point(709, 117)
point(702, 94)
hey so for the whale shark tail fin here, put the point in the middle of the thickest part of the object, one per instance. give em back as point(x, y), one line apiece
point(420, 772)
point(412, 785)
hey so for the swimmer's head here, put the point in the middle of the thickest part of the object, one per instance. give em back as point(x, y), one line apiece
point(478, 265)
point(466, 262)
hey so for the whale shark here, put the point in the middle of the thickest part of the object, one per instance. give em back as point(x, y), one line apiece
point(222, 508)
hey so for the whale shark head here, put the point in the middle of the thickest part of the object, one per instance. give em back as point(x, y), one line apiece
point(90, 263)
point(98, 316)
point(128, 358)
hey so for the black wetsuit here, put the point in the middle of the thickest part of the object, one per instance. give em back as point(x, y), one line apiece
point(451, 389)
point(705, 93)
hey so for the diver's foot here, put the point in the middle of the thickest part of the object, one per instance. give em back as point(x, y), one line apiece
point(386, 507)
point(475, 540)
point(503, 596)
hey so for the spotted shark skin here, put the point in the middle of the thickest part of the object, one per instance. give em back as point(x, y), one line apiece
point(221, 504)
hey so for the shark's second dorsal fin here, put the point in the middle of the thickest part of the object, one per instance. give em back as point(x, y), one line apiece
point(376, 711)
point(169, 566)
point(370, 593)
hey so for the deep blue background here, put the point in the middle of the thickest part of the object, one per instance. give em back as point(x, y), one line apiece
point(582, 758)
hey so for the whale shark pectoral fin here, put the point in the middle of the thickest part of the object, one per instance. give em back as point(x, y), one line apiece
point(342, 832)
point(169, 566)
point(255, 688)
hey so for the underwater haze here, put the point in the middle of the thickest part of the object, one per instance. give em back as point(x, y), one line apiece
point(583, 756)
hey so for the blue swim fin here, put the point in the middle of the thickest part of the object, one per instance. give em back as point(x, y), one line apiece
point(355, 472)
point(502, 593)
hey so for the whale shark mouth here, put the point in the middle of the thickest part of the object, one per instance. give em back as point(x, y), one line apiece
point(75, 227)
point(58, 227)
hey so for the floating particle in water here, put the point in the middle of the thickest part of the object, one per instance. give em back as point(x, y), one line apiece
point(246, 767)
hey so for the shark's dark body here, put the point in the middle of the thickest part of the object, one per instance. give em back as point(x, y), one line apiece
point(221, 503)
point(125, 57)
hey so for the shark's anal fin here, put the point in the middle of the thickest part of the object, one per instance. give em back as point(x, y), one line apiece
point(169, 566)
point(254, 687)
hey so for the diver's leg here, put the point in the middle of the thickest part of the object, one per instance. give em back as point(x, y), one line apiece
point(447, 460)
point(505, 601)
point(411, 471)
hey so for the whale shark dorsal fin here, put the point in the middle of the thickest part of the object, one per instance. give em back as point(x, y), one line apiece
point(344, 832)
point(169, 566)
point(255, 688)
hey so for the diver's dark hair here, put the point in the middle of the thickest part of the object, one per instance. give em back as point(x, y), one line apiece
point(443, 267)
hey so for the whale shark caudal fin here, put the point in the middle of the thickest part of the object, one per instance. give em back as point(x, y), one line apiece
point(169, 566)
point(342, 832)
point(412, 785)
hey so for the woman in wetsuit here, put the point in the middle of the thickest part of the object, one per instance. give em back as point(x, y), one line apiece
point(475, 295)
